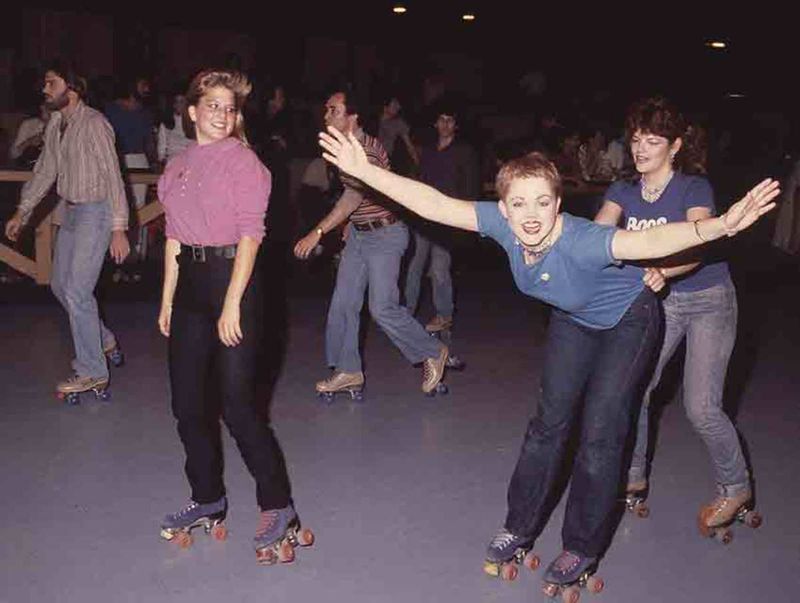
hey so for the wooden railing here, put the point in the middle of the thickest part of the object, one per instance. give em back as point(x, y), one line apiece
point(40, 266)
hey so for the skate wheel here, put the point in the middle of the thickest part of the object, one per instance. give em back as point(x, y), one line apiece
point(725, 536)
point(441, 388)
point(72, 399)
point(550, 590)
point(492, 569)
point(219, 532)
point(356, 395)
point(509, 572)
point(266, 556)
point(753, 519)
point(531, 561)
point(642, 511)
point(103, 395)
point(285, 552)
point(116, 358)
point(184, 539)
point(327, 397)
point(305, 537)
point(594, 584)
point(571, 594)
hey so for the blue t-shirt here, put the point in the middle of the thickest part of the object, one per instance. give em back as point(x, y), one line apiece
point(682, 193)
point(577, 275)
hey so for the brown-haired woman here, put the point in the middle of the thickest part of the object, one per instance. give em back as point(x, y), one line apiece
point(215, 195)
point(700, 305)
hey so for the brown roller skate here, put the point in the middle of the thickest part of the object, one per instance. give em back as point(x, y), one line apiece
point(715, 518)
point(340, 382)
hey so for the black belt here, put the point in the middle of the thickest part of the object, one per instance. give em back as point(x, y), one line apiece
point(374, 224)
point(200, 253)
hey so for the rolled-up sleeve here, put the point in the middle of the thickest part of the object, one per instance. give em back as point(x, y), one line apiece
point(251, 191)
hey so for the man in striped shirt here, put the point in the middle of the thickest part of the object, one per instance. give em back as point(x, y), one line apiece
point(375, 245)
point(79, 155)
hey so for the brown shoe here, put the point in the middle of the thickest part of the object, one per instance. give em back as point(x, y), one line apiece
point(721, 510)
point(439, 323)
point(340, 381)
point(433, 370)
point(76, 384)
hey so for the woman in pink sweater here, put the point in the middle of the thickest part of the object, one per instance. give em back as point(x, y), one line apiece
point(215, 196)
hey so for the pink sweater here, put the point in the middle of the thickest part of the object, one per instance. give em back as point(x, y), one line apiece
point(215, 194)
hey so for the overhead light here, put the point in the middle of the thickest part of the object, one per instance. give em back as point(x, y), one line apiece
point(716, 44)
point(735, 95)
point(399, 9)
point(468, 17)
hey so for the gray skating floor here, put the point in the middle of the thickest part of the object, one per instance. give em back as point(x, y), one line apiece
point(403, 492)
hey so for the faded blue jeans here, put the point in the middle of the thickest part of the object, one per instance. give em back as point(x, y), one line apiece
point(371, 259)
point(441, 281)
point(81, 246)
point(707, 319)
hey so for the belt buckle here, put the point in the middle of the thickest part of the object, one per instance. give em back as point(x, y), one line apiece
point(198, 254)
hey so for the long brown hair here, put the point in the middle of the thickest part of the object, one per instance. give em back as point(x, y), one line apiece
point(659, 116)
point(201, 83)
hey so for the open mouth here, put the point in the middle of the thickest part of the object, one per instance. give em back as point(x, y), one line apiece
point(531, 228)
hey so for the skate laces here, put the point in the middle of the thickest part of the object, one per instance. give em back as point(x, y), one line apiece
point(566, 562)
point(503, 539)
point(266, 521)
point(187, 509)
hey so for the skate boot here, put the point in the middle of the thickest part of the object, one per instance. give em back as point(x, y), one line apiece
point(278, 534)
point(441, 328)
point(505, 552)
point(715, 518)
point(339, 382)
point(636, 497)
point(114, 354)
point(568, 573)
point(439, 323)
point(433, 373)
point(71, 389)
point(179, 525)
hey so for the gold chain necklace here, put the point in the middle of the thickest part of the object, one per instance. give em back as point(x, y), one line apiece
point(652, 194)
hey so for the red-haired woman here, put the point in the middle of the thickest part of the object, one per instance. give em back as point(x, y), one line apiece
point(701, 303)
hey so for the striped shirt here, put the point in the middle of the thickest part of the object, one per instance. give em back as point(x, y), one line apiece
point(84, 162)
point(373, 204)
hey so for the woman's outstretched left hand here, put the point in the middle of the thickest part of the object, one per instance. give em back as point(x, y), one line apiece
point(343, 151)
point(757, 202)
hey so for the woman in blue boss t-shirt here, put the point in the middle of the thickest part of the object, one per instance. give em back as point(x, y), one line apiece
point(700, 305)
point(601, 338)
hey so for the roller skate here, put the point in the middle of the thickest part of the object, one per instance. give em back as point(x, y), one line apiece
point(433, 373)
point(114, 354)
point(505, 552)
point(278, 534)
point(636, 498)
point(339, 382)
point(442, 328)
point(71, 389)
point(715, 518)
point(178, 526)
point(568, 573)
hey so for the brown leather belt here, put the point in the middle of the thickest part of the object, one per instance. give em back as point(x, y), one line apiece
point(374, 224)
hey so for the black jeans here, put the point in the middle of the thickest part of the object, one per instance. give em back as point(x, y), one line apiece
point(612, 366)
point(208, 378)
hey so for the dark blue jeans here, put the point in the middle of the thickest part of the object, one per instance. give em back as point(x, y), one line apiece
point(611, 366)
point(209, 379)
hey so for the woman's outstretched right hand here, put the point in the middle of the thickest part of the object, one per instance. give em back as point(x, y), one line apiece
point(164, 318)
